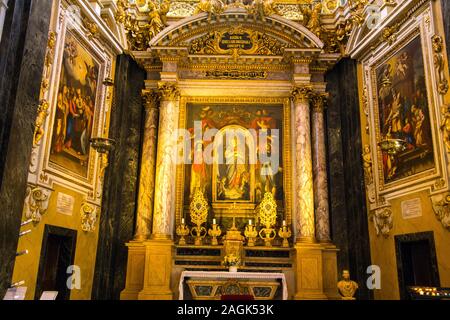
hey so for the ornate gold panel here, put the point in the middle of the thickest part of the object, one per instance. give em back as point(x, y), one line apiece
point(243, 208)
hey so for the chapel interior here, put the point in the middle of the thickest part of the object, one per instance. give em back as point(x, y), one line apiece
point(208, 149)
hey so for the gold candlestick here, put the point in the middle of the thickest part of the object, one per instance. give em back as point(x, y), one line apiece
point(182, 232)
point(285, 233)
point(214, 233)
point(251, 234)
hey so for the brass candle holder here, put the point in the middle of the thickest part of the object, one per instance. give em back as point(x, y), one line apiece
point(285, 233)
point(182, 231)
point(251, 234)
point(215, 232)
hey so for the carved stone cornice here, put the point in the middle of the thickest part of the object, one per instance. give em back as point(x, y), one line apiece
point(168, 91)
point(302, 92)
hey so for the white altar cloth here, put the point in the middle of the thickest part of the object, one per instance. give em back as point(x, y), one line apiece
point(233, 275)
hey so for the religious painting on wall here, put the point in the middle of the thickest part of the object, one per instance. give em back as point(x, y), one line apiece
point(244, 144)
point(75, 108)
point(403, 114)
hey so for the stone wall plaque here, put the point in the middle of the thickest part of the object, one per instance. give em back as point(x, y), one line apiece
point(64, 204)
point(411, 208)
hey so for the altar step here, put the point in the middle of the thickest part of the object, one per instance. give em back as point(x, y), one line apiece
point(209, 258)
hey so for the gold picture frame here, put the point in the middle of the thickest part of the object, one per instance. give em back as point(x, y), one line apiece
point(242, 209)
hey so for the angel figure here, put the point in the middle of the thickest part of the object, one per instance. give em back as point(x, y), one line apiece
point(367, 158)
point(122, 10)
point(263, 8)
point(157, 17)
point(311, 19)
point(445, 125)
point(212, 7)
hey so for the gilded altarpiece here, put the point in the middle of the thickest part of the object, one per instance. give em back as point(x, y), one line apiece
point(235, 186)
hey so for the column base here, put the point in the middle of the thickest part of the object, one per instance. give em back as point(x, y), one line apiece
point(309, 272)
point(135, 271)
point(330, 271)
point(158, 269)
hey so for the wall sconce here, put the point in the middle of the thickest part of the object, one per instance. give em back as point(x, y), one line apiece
point(103, 146)
point(109, 82)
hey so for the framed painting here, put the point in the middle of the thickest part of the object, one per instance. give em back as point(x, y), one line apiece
point(403, 117)
point(76, 105)
point(249, 144)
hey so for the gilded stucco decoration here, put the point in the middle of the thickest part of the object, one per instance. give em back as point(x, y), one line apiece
point(88, 215)
point(251, 43)
point(441, 207)
point(40, 121)
point(439, 63)
point(140, 33)
point(36, 203)
point(445, 125)
point(383, 221)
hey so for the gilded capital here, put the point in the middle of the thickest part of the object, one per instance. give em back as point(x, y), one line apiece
point(151, 98)
point(168, 91)
point(302, 93)
point(319, 102)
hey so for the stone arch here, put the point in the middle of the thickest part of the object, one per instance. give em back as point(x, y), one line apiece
point(287, 33)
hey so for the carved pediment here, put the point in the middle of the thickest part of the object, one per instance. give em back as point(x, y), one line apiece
point(237, 40)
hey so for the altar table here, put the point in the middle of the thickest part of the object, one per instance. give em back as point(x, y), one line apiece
point(230, 276)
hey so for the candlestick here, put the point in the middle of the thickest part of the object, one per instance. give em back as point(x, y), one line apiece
point(249, 222)
point(214, 221)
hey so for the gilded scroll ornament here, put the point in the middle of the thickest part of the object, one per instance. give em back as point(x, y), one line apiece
point(92, 30)
point(441, 207)
point(40, 121)
point(36, 203)
point(199, 213)
point(88, 215)
point(439, 63)
point(383, 221)
point(237, 40)
point(389, 34)
point(445, 125)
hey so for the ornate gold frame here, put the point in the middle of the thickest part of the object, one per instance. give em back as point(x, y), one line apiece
point(286, 149)
point(433, 180)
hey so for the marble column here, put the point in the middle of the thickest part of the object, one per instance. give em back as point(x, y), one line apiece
point(159, 249)
point(147, 173)
point(304, 195)
point(320, 169)
point(164, 207)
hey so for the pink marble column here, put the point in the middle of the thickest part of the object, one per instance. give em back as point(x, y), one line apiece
point(304, 195)
point(320, 169)
point(148, 160)
point(164, 206)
